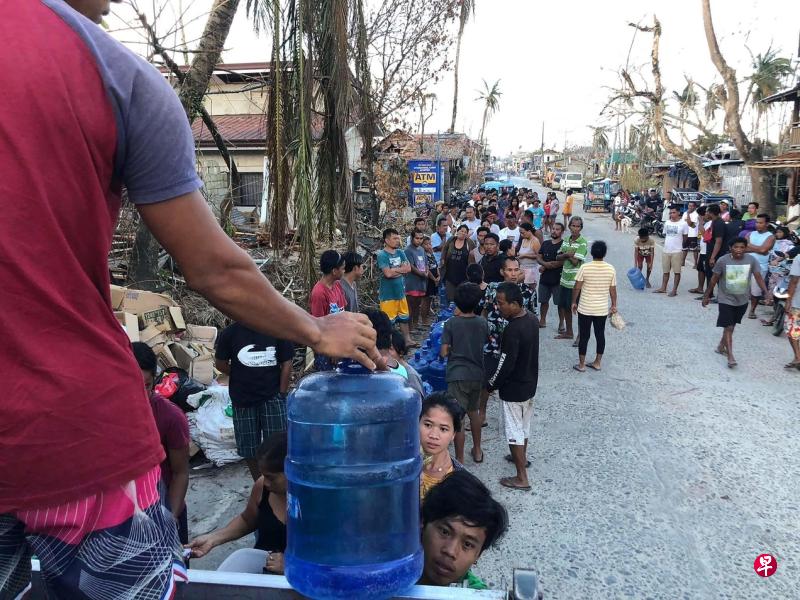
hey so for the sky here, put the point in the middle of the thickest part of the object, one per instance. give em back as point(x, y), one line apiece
point(557, 62)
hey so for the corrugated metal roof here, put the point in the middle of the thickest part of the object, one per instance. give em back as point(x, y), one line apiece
point(244, 130)
point(236, 129)
point(787, 160)
point(785, 95)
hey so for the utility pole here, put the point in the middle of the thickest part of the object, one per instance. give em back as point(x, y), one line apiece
point(541, 165)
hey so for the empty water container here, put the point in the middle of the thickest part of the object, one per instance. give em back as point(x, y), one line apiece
point(353, 469)
point(636, 278)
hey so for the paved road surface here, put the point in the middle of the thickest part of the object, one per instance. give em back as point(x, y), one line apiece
point(663, 476)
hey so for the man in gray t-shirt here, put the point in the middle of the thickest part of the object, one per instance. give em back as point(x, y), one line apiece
point(733, 272)
point(416, 280)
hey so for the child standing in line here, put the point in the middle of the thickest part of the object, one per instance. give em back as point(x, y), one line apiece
point(462, 341)
point(433, 282)
point(644, 248)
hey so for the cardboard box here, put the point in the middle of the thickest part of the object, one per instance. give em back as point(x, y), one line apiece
point(176, 314)
point(201, 334)
point(117, 296)
point(152, 336)
point(196, 360)
point(164, 356)
point(139, 302)
point(203, 369)
point(129, 323)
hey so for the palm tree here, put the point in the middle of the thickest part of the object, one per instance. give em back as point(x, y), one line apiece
point(769, 72)
point(311, 89)
point(686, 100)
point(467, 8)
point(491, 102)
point(599, 139)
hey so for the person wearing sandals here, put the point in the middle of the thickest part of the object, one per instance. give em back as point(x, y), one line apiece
point(440, 420)
point(733, 272)
point(594, 283)
point(516, 377)
point(462, 343)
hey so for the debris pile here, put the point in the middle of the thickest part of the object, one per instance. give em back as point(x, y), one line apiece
point(157, 320)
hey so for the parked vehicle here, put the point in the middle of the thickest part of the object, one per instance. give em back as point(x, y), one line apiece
point(682, 197)
point(600, 194)
point(572, 180)
point(556, 183)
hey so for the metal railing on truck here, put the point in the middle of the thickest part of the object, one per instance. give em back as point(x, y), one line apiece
point(219, 585)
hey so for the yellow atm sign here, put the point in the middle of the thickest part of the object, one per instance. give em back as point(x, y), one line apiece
point(424, 178)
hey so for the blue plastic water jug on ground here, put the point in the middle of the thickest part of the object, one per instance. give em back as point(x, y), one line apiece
point(436, 336)
point(420, 363)
point(437, 371)
point(353, 467)
point(636, 278)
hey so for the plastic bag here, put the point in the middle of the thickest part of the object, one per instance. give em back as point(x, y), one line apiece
point(184, 386)
point(211, 426)
point(617, 322)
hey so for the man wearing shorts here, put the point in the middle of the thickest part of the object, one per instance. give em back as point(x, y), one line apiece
point(393, 266)
point(516, 378)
point(80, 455)
point(733, 272)
point(462, 344)
point(676, 231)
point(792, 320)
point(550, 278)
point(260, 367)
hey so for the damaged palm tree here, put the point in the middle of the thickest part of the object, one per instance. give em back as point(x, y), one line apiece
point(312, 90)
point(657, 101)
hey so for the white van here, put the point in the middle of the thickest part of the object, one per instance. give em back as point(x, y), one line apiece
point(572, 180)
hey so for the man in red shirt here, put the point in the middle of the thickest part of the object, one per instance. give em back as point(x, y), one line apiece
point(327, 297)
point(79, 448)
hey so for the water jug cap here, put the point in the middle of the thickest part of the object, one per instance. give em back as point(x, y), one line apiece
point(350, 367)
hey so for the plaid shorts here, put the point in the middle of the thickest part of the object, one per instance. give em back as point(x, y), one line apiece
point(254, 424)
point(118, 543)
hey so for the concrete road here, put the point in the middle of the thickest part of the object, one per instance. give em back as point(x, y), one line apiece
point(663, 476)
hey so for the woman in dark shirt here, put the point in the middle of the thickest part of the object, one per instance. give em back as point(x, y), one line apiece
point(455, 258)
point(265, 512)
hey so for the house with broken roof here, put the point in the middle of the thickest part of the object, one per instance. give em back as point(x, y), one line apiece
point(453, 152)
point(237, 100)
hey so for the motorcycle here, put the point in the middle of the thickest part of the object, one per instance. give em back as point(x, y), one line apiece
point(780, 291)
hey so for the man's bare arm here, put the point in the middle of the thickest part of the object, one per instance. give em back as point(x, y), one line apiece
point(222, 272)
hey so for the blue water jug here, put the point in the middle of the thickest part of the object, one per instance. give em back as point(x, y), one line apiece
point(437, 371)
point(436, 336)
point(420, 363)
point(353, 467)
point(636, 278)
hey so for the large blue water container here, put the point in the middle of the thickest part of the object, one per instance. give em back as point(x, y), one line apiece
point(436, 336)
point(636, 278)
point(437, 374)
point(353, 468)
point(420, 363)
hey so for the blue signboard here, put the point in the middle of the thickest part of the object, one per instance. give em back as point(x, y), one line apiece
point(425, 182)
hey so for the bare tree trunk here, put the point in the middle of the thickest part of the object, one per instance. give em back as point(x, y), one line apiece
point(207, 56)
point(455, 76)
point(193, 85)
point(656, 99)
point(733, 123)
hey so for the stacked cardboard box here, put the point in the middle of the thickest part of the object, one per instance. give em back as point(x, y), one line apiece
point(157, 320)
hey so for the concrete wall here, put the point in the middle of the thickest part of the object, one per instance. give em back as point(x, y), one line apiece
point(235, 101)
